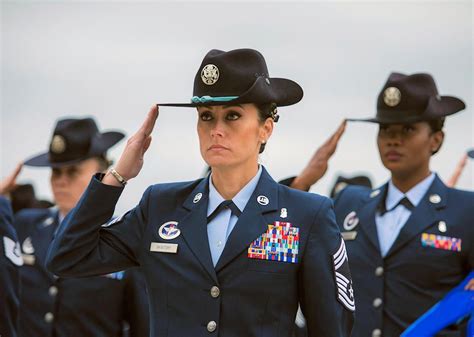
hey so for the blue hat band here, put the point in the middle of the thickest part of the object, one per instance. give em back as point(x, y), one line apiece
point(208, 99)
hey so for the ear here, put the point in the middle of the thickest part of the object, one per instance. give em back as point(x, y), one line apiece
point(437, 139)
point(266, 129)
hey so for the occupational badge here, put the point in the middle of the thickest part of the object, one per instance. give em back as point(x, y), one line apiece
point(342, 275)
point(210, 74)
point(279, 243)
point(350, 221)
point(392, 96)
point(169, 230)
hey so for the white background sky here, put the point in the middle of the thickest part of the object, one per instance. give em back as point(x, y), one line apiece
point(113, 60)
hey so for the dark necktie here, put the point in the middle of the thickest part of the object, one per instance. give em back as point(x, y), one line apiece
point(226, 204)
point(405, 202)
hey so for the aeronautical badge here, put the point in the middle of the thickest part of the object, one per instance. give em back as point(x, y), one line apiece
point(350, 221)
point(12, 251)
point(210, 74)
point(169, 230)
point(392, 96)
point(441, 242)
point(279, 243)
point(342, 274)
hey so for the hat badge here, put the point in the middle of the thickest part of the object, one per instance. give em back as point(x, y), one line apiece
point(58, 144)
point(392, 96)
point(210, 74)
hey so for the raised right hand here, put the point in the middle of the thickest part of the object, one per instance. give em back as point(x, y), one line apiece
point(131, 160)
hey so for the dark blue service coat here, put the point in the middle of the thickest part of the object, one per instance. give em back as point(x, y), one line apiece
point(240, 296)
point(433, 253)
point(95, 306)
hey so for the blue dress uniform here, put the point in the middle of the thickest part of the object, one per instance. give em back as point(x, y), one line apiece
point(52, 306)
point(248, 292)
point(431, 255)
point(10, 261)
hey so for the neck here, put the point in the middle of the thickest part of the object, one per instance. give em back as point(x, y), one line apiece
point(229, 181)
point(405, 182)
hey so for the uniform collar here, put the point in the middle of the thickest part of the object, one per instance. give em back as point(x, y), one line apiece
point(415, 194)
point(240, 199)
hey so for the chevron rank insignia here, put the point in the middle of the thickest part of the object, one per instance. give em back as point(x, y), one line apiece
point(279, 243)
point(342, 274)
point(441, 242)
point(12, 251)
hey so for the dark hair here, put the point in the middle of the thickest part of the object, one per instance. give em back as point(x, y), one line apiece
point(265, 111)
point(104, 163)
point(436, 125)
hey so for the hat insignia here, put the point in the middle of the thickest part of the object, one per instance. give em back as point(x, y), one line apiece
point(392, 96)
point(210, 74)
point(58, 144)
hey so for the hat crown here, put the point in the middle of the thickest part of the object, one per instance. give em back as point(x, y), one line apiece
point(237, 71)
point(72, 139)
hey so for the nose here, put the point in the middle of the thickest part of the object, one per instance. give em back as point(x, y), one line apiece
point(394, 138)
point(217, 129)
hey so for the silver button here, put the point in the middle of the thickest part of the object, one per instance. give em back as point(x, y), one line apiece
point(215, 292)
point(377, 302)
point(53, 291)
point(379, 271)
point(211, 326)
point(48, 317)
point(377, 333)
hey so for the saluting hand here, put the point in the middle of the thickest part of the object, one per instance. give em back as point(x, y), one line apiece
point(131, 160)
point(318, 164)
point(9, 183)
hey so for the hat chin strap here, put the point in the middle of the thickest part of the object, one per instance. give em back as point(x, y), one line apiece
point(208, 99)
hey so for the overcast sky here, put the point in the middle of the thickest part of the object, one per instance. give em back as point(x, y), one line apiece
point(114, 60)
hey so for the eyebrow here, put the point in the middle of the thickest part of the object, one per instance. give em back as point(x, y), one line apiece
point(233, 105)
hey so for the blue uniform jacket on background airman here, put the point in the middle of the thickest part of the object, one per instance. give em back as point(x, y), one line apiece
point(52, 306)
point(241, 296)
point(10, 261)
point(391, 292)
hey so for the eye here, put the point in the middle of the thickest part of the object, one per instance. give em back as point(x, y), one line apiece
point(72, 172)
point(408, 128)
point(205, 116)
point(233, 116)
point(56, 172)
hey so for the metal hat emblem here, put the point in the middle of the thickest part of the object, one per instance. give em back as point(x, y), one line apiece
point(442, 227)
point(351, 221)
point(392, 96)
point(435, 199)
point(197, 197)
point(27, 246)
point(58, 144)
point(210, 74)
point(262, 200)
point(169, 230)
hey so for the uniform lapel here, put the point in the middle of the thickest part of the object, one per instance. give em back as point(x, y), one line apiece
point(193, 226)
point(367, 215)
point(253, 221)
point(42, 237)
point(423, 216)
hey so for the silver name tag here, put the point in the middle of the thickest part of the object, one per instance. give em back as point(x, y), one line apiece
point(161, 247)
point(347, 236)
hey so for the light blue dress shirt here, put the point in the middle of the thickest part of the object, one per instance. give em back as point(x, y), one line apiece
point(219, 228)
point(390, 224)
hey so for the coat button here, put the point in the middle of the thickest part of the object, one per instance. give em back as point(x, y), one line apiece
point(211, 326)
point(48, 317)
point(379, 271)
point(377, 333)
point(53, 291)
point(377, 302)
point(215, 292)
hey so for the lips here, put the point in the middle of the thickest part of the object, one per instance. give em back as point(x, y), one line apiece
point(393, 155)
point(217, 147)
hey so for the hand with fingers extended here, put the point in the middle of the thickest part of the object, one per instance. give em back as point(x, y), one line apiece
point(318, 164)
point(9, 183)
point(131, 161)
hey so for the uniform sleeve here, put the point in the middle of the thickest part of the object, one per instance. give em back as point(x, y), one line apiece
point(87, 243)
point(325, 286)
point(10, 261)
point(136, 304)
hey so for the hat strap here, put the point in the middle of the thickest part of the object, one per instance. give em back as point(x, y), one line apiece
point(207, 99)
